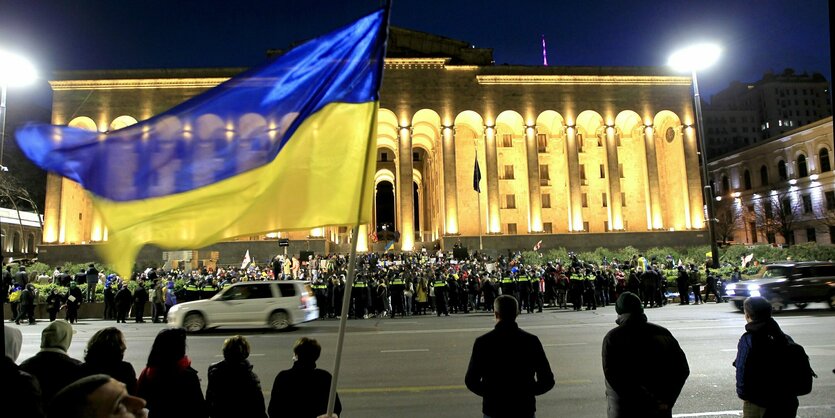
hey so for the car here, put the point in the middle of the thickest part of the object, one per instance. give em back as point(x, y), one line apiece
point(277, 304)
point(798, 283)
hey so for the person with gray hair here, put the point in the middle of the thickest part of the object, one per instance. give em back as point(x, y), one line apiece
point(644, 366)
point(508, 389)
point(96, 396)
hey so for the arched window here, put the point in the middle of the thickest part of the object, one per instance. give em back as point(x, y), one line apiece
point(781, 170)
point(764, 175)
point(823, 156)
point(802, 169)
point(726, 185)
point(746, 179)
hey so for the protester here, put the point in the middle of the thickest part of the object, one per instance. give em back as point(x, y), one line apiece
point(755, 360)
point(21, 397)
point(53, 368)
point(96, 396)
point(27, 305)
point(73, 302)
point(168, 382)
point(508, 389)
point(644, 366)
point(105, 355)
point(54, 301)
point(123, 300)
point(234, 389)
point(302, 391)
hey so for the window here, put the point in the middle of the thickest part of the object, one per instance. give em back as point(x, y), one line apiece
point(585, 200)
point(623, 200)
point(511, 229)
point(586, 226)
point(823, 156)
point(746, 179)
point(763, 176)
point(510, 201)
point(810, 235)
point(542, 143)
point(605, 200)
point(287, 289)
point(415, 156)
point(546, 200)
point(544, 175)
point(384, 156)
point(620, 170)
point(507, 140)
point(752, 226)
point(508, 172)
point(830, 200)
point(781, 170)
point(602, 171)
point(786, 207)
point(583, 180)
point(606, 226)
point(548, 228)
point(802, 170)
point(807, 203)
point(832, 234)
point(726, 185)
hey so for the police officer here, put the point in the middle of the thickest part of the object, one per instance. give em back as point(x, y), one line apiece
point(576, 289)
point(192, 292)
point(359, 297)
point(523, 286)
point(537, 290)
point(320, 289)
point(396, 289)
point(507, 285)
point(440, 295)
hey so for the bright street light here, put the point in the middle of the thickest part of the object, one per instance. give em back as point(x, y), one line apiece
point(14, 71)
point(692, 59)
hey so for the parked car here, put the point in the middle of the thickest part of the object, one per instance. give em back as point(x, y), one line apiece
point(798, 283)
point(276, 304)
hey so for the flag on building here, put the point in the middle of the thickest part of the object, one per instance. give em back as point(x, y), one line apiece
point(476, 176)
point(388, 246)
point(246, 261)
point(288, 145)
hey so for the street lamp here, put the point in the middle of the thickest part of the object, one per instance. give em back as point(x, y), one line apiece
point(14, 71)
point(693, 59)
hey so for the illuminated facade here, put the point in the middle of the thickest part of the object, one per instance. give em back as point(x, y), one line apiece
point(785, 185)
point(606, 153)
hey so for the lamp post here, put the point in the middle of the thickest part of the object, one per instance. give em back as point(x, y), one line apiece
point(14, 71)
point(693, 59)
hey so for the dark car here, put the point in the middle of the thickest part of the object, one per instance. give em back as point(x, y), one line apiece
point(798, 283)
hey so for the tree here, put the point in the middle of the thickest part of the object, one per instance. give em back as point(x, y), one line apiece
point(777, 214)
point(726, 220)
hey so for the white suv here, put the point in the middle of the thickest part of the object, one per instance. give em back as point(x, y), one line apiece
point(277, 304)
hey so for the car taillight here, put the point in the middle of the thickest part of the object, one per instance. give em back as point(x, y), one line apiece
point(303, 302)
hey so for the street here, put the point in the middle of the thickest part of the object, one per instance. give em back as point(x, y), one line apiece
point(414, 366)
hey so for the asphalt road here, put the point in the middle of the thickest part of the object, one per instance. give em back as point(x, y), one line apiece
point(414, 366)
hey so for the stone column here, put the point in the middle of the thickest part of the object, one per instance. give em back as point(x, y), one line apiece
point(653, 192)
point(52, 209)
point(613, 167)
point(694, 179)
point(575, 203)
point(406, 181)
point(450, 181)
point(491, 156)
point(534, 189)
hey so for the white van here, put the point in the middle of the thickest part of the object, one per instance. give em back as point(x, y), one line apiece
point(276, 304)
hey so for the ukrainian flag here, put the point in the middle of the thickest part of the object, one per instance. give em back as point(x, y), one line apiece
point(285, 146)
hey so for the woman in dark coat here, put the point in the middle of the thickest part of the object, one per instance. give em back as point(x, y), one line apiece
point(234, 390)
point(74, 298)
point(104, 355)
point(302, 391)
point(123, 300)
point(168, 382)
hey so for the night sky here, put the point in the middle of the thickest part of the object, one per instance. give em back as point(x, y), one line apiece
point(757, 36)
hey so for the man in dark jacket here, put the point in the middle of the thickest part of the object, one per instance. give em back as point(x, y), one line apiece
point(234, 390)
point(92, 279)
point(123, 298)
point(303, 390)
point(508, 389)
point(27, 305)
point(755, 354)
point(140, 298)
point(644, 366)
point(53, 368)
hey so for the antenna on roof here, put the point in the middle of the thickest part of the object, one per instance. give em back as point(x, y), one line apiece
point(544, 52)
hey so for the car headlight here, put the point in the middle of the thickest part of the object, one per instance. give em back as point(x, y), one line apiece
point(753, 288)
point(731, 286)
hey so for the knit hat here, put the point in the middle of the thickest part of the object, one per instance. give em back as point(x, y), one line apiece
point(628, 302)
point(58, 334)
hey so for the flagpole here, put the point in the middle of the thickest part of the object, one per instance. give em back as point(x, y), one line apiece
point(352, 259)
point(478, 197)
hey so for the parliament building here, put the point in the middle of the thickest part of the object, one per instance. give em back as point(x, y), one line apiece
point(577, 157)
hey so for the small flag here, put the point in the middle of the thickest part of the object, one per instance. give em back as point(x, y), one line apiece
point(537, 246)
point(388, 246)
point(246, 261)
point(476, 176)
point(747, 259)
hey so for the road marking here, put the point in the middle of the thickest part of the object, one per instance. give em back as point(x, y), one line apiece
point(737, 326)
point(738, 413)
point(251, 355)
point(728, 350)
point(411, 350)
point(400, 322)
point(563, 344)
point(396, 389)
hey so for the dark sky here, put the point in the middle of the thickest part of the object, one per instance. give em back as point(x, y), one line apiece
point(757, 36)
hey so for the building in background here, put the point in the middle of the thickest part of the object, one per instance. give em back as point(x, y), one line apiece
point(578, 157)
point(748, 113)
point(21, 234)
point(778, 191)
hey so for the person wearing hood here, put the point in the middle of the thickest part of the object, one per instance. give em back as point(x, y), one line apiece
point(234, 389)
point(644, 366)
point(53, 368)
point(24, 400)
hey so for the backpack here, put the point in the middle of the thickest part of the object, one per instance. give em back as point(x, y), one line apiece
point(797, 371)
